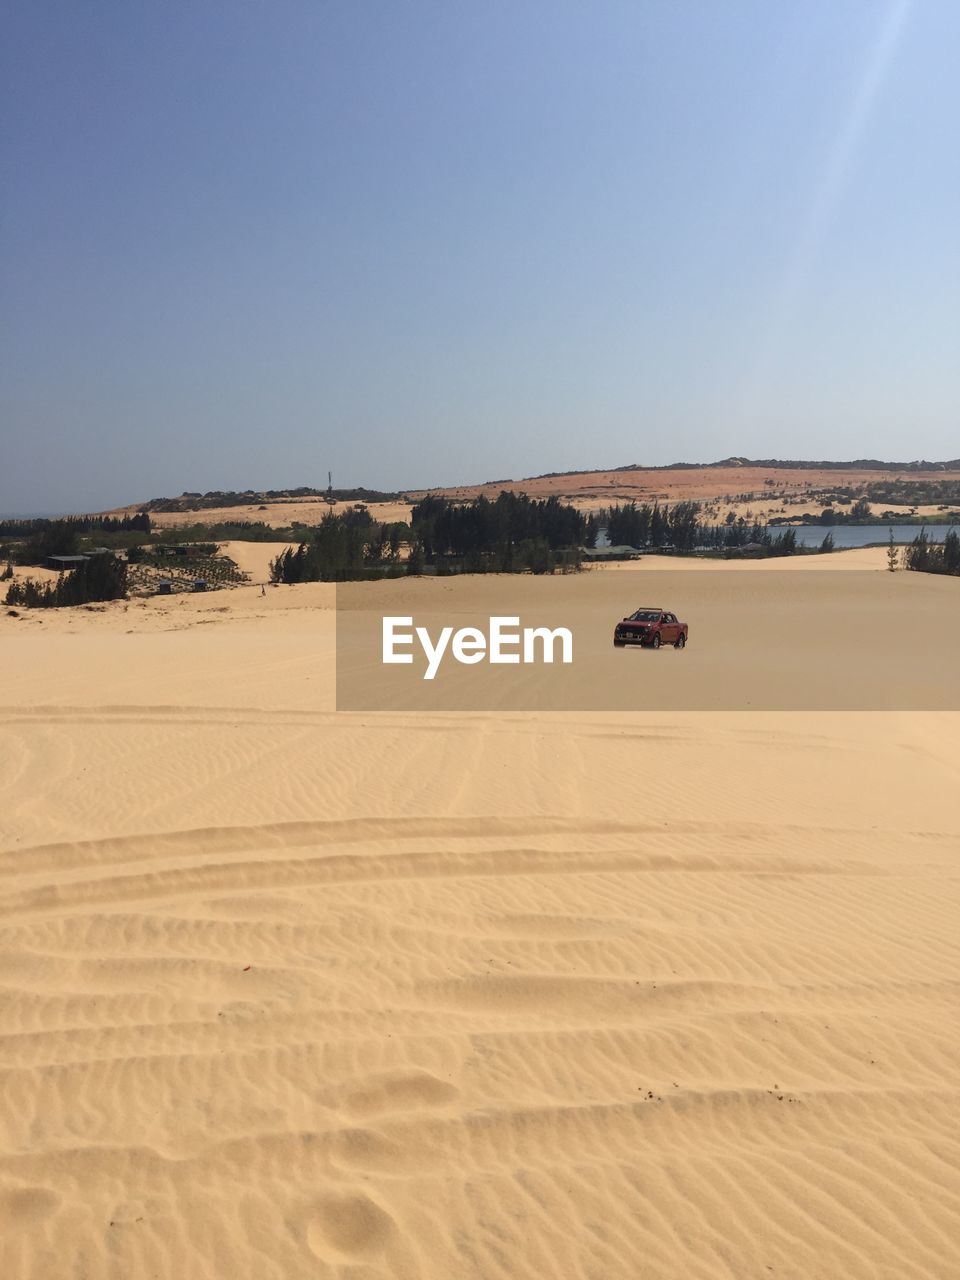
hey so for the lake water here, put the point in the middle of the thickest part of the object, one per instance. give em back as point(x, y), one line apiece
point(850, 535)
point(853, 535)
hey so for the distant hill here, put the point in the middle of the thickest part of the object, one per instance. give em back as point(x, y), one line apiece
point(780, 464)
point(676, 481)
point(858, 464)
point(216, 499)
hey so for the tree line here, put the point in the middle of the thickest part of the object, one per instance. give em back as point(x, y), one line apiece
point(448, 529)
point(343, 546)
point(925, 556)
point(512, 534)
point(99, 578)
point(655, 526)
point(682, 528)
point(33, 541)
point(76, 524)
point(338, 549)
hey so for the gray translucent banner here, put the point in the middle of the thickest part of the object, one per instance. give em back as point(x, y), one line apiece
point(805, 639)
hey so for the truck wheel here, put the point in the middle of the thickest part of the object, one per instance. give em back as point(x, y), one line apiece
point(655, 642)
point(681, 641)
point(618, 644)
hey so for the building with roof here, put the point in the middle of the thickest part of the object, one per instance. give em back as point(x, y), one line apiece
point(621, 552)
point(63, 563)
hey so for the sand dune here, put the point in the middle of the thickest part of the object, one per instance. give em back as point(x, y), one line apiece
point(757, 490)
point(278, 513)
point(288, 992)
point(254, 558)
point(700, 483)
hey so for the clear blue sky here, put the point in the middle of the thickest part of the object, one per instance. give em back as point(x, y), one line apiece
point(432, 242)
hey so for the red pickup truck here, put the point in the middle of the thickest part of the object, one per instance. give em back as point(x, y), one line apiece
point(651, 628)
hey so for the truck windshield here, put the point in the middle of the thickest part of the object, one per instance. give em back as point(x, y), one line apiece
point(645, 615)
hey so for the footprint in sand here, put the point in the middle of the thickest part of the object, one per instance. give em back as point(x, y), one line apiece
point(349, 1226)
point(401, 1091)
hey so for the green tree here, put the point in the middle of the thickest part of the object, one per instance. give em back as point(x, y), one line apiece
point(785, 543)
point(415, 561)
point(891, 553)
point(101, 578)
point(920, 555)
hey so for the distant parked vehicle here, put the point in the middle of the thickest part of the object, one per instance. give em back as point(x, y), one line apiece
point(650, 628)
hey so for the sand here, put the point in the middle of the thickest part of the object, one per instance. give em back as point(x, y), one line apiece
point(753, 492)
point(278, 514)
point(700, 483)
point(254, 558)
point(292, 993)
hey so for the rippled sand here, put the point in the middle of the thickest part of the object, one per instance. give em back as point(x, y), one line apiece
point(291, 993)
